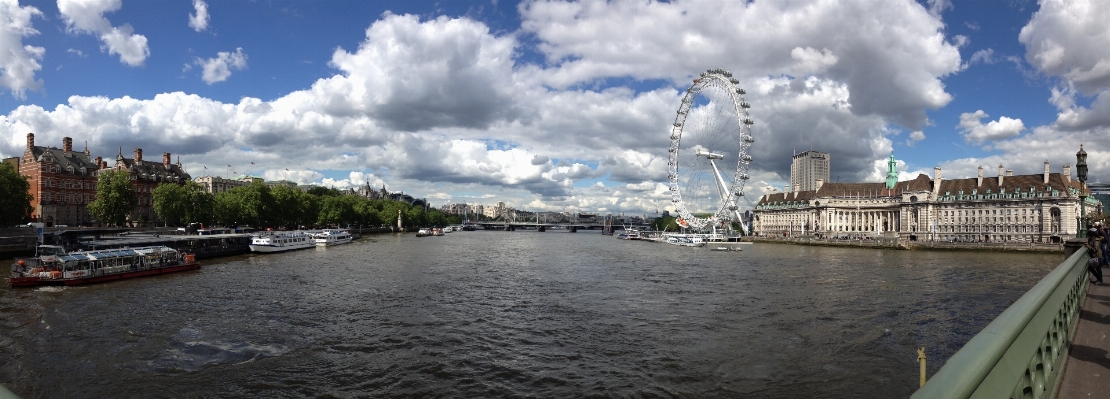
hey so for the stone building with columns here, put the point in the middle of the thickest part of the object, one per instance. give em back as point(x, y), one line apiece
point(1024, 208)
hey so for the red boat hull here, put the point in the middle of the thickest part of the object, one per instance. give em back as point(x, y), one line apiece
point(36, 281)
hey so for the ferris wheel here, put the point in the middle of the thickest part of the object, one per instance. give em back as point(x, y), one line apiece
point(711, 133)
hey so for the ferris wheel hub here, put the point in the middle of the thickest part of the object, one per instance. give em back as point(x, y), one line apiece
point(701, 152)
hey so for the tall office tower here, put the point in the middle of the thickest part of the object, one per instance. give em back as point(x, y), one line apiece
point(807, 168)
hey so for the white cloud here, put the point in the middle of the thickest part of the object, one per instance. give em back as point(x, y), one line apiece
point(974, 131)
point(296, 176)
point(355, 179)
point(937, 7)
point(444, 106)
point(1069, 38)
point(219, 69)
point(18, 62)
point(199, 21)
point(985, 56)
point(915, 137)
point(891, 64)
point(87, 16)
point(414, 76)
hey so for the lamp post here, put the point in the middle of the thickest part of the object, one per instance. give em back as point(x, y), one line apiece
point(1081, 172)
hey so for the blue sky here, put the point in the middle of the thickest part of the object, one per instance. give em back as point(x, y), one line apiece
point(555, 105)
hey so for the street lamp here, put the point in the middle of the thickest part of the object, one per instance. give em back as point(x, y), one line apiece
point(1081, 171)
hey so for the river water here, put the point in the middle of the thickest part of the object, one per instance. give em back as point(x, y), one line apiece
point(513, 314)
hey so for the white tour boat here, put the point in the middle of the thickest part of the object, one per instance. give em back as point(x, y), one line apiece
point(333, 237)
point(281, 242)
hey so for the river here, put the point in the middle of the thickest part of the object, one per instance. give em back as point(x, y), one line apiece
point(513, 314)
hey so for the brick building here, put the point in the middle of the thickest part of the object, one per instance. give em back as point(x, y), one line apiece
point(62, 182)
point(145, 176)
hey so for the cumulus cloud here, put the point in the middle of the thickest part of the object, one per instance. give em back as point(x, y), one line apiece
point(18, 63)
point(354, 180)
point(415, 76)
point(915, 137)
point(296, 176)
point(87, 16)
point(1069, 38)
point(985, 56)
point(974, 131)
point(444, 105)
point(219, 69)
point(892, 65)
point(199, 21)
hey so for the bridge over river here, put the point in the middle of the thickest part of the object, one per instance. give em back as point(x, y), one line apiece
point(554, 226)
point(1051, 343)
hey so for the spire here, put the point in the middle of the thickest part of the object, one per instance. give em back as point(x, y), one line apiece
point(892, 172)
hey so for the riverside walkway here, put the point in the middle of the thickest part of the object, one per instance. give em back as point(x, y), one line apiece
point(1051, 343)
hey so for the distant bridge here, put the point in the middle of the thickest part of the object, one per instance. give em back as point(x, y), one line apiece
point(550, 226)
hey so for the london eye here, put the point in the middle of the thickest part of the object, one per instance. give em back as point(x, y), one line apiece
point(709, 152)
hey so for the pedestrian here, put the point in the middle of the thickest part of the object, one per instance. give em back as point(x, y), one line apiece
point(1103, 233)
point(1094, 263)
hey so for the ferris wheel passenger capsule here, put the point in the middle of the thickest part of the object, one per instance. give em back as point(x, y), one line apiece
point(746, 158)
point(741, 91)
point(749, 139)
point(734, 80)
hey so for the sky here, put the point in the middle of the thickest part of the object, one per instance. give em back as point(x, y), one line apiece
point(551, 105)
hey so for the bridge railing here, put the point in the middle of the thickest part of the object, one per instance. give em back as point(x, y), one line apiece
point(1021, 353)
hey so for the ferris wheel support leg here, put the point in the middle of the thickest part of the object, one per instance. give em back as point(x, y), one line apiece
point(720, 180)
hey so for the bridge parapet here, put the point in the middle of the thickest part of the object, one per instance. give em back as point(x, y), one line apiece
point(1021, 353)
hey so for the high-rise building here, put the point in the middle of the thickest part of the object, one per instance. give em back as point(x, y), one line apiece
point(807, 168)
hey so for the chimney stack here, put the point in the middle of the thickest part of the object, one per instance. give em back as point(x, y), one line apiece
point(1001, 172)
point(1009, 173)
point(138, 155)
point(166, 159)
point(936, 174)
point(1067, 172)
point(820, 182)
point(99, 163)
point(67, 145)
point(980, 181)
point(30, 140)
point(785, 189)
point(1045, 172)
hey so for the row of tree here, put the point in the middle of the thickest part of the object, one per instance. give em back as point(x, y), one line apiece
point(281, 206)
point(257, 205)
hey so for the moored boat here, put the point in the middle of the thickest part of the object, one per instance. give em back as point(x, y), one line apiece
point(281, 242)
point(437, 232)
point(423, 233)
point(685, 240)
point(333, 237)
point(54, 266)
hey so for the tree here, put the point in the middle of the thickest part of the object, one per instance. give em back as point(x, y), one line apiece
point(665, 223)
point(180, 204)
point(169, 202)
point(115, 197)
point(15, 201)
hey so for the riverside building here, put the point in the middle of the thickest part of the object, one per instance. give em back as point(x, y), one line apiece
point(1025, 208)
point(62, 182)
point(145, 176)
